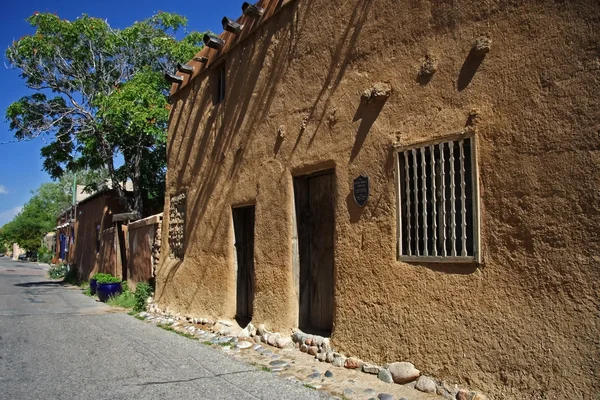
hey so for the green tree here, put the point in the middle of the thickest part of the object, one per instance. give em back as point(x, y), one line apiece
point(99, 93)
point(37, 218)
point(90, 179)
point(39, 215)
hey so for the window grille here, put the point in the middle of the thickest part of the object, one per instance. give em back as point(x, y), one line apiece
point(438, 202)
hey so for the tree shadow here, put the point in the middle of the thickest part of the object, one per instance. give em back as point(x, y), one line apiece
point(41, 284)
point(469, 69)
point(209, 150)
point(340, 59)
point(215, 138)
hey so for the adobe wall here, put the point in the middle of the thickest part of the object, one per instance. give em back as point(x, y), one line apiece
point(97, 210)
point(141, 259)
point(525, 323)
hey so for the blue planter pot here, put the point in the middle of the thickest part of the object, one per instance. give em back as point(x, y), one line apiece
point(106, 290)
point(92, 286)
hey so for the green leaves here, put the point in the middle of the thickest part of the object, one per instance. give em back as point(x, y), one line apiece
point(100, 93)
point(39, 215)
point(106, 278)
point(37, 218)
point(142, 292)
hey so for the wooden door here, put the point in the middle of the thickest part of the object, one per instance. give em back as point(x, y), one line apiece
point(314, 197)
point(243, 227)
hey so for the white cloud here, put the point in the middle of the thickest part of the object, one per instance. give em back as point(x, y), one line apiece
point(3, 189)
point(8, 215)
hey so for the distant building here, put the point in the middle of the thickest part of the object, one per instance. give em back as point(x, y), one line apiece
point(16, 251)
point(49, 241)
point(86, 235)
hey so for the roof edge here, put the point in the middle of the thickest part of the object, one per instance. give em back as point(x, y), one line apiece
point(272, 8)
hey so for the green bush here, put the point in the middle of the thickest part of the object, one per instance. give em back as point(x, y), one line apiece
point(57, 271)
point(107, 278)
point(125, 300)
point(44, 255)
point(99, 275)
point(142, 292)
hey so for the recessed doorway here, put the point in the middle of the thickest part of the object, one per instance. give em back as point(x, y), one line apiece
point(243, 227)
point(315, 224)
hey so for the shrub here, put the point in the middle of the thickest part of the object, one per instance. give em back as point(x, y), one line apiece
point(107, 278)
point(125, 300)
point(99, 275)
point(44, 255)
point(142, 292)
point(57, 271)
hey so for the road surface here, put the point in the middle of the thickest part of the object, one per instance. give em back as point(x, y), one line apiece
point(56, 343)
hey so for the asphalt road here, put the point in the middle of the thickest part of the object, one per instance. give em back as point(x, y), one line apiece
point(56, 343)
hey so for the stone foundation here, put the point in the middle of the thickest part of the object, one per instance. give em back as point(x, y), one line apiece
point(317, 346)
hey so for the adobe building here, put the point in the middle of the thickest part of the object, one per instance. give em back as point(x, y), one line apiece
point(65, 229)
point(97, 246)
point(418, 179)
point(91, 240)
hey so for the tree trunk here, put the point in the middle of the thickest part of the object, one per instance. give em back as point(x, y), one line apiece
point(137, 176)
point(108, 155)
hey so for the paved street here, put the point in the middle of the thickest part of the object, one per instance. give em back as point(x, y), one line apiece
point(56, 343)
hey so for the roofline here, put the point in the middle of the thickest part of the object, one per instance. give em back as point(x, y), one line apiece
point(215, 56)
point(90, 197)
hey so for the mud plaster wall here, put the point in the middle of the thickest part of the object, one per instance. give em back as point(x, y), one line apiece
point(523, 325)
point(95, 211)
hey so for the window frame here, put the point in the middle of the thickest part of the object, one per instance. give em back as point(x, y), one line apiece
point(399, 150)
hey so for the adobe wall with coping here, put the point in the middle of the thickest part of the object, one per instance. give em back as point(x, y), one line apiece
point(94, 211)
point(524, 323)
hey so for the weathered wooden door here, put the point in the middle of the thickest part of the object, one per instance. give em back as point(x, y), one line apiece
point(314, 198)
point(243, 227)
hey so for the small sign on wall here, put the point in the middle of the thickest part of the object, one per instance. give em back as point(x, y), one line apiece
point(360, 189)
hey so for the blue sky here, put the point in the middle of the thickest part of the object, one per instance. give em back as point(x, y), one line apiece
point(20, 163)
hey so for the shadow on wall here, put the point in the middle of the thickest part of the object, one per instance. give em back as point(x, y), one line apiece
point(469, 69)
point(466, 268)
point(229, 128)
point(339, 61)
point(354, 210)
point(367, 113)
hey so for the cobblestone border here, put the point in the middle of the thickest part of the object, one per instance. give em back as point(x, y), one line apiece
point(224, 332)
